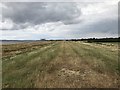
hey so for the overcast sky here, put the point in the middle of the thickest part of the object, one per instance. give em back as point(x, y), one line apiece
point(38, 20)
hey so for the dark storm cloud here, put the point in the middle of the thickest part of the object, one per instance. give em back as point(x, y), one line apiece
point(37, 13)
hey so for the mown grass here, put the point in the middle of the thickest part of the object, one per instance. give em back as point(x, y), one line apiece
point(21, 70)
point(63, 65)
point(93, 54)
point(15, 49)
point(102, 61)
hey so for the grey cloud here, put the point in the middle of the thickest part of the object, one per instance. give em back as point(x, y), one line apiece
point(106, 26)
point(38, 13)
point(73, 21)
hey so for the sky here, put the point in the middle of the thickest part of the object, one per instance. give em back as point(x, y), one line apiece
point(58, 20)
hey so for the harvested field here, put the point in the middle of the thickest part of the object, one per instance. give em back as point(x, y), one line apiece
point(60, 64)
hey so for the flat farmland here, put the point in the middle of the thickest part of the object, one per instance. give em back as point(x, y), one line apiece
point(60, 64)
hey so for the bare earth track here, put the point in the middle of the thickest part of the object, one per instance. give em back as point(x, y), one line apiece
point(62, 65)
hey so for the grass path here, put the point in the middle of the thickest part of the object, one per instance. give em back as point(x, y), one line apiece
point(63, 65)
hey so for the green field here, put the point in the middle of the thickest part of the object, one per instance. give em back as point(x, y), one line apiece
point(60, 64)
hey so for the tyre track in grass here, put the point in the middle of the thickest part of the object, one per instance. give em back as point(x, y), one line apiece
point(70, 70)
point(46, 78)
point(25, 56)
point(16, 49)
point(65, 72)
point(22, 75)
point(60, 66)
point(93, 74)
point(109, 59)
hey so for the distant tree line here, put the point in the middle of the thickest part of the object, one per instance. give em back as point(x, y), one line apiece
point(93, 40)
point(87, 40)
point(102, 40)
